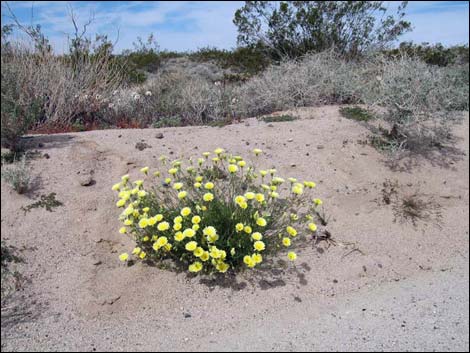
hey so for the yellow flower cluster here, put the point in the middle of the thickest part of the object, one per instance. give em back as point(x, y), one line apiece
point(215, 214)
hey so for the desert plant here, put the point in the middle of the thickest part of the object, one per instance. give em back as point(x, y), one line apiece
point(356, 113)
point(18, 175)
point(216, 214)
point(278, 118)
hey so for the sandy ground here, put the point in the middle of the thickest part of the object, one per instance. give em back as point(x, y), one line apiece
point(405, 287)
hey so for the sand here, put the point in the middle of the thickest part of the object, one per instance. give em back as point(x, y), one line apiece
point(387, 284)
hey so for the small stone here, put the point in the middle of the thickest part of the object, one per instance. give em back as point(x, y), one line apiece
point(86, 180)
point(96, 263)
point(46, 155)
point(142, 146)
point(270, 125)
point(40, 145)
point(247, 124)
point(187, 315)
point(320, 147)
point(119, 136)
point(247, 143)
point(159, 135)
point(290, 140)
point(293, 165)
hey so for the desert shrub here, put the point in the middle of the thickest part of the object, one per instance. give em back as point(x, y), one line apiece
point(214, 215)
point(315, 79)
point(18, 175)
point(190, 97)
point(418, 100)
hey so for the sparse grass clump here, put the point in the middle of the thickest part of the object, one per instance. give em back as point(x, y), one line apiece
point(10, 278)
point(356, 113)
point(18, 175)
point(278, 118)
point(214, 214)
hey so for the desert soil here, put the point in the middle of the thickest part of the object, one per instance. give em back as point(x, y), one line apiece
point(387, 283)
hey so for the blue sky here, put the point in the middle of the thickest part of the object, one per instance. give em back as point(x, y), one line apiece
point(188, 25)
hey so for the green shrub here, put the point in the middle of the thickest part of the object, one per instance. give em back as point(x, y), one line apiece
point(356, 113)
point(278, 118)
point(214, 215)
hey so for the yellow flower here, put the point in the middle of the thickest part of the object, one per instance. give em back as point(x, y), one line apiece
point(292, 180)
point(209, 185)
point(259, 245)
point(146, 238)
point(189, 233)
point(162, 226)
point(162, 241)
point(208, 197)
point(200, 161)
point(177, 226)
point(198, 179)
point(239, 199)
point(274, 194)
point(168, 247)
point(191, 246)
point(249, 261)
point(318, 202)
point(312, 227)
point(182, 194)
point(257, 236)
point(205, 256)
point(286, 242)
point(232, 251)
point(116, 187)
point(298, 189)
point(215, 253)
point(247, 229)
point(125, 178)
point(173, 171)
point(239, 227)
point(136, 251)
point(167, 181)
point(139, 183)
point(277, 181)
point(197, 185)
point(219, 151)
point(222, 267)
point(263, 172)
point(123, 230)
point(141, 193)
point(196, 219)
point(142, 255)
point(179, 236)
point(310, 184)
point(250, 195)
point(241, 164)
point(121, 203)
point(144, 222)
point(259, 198)
point(198, 252)
point(206, 154)
point(292, 232)
point(257, 151)
point(177, 186)
point(178, 219)
point(265, 187)
point(195, 267)
point(195, 227)
point(292, 256)
point(232, 168)
point(146, 209)
point(257, 258)
point(128, 222)
point(145, 170)
point(157, 173)
point(261, 222)
point(186, 211)
point(123, 257)
point(294, 217)
point(243, 205)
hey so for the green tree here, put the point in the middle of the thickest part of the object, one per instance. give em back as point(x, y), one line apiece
point(292, 28)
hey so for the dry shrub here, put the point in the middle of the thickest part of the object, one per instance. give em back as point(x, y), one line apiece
point(43, 88)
